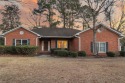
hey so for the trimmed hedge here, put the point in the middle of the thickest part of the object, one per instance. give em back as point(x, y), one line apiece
point(18, 50)
point(61, 53)
point(82, 53)
point(110, 54)
point(26, 50)
point(73, 54)
point(122, 53)
point(53, 49)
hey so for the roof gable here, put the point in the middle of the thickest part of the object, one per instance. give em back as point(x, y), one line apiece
point(104, 26)
point(17, 29)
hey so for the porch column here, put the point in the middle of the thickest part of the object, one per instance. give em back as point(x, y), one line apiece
point(48, 45)
point(42, 45)
point(5, 41)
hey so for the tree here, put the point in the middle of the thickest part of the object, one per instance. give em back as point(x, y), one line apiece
point(91, 16)
point(68, 11)
point(117, 23)
point(85, 16)
point(72, 12)
point(47, 8)
point(35, 19)
point(10, 17)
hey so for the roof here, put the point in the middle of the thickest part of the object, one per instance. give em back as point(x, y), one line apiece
point(111, 29)
point(56, 32)
point(18, 28)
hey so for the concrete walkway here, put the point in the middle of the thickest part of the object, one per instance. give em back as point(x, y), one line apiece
point(44, 56)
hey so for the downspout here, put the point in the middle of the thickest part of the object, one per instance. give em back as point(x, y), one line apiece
point(79, 40)
point(119, 45)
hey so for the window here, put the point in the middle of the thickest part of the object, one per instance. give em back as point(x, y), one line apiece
point(102, 47)
point(24, 42)
point(18, 42)
point(62, 44)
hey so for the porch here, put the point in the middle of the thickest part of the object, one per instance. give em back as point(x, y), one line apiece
point(46, 44)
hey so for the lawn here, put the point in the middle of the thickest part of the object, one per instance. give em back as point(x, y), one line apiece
point(61, 70)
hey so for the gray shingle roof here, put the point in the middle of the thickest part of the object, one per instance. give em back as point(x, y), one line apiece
point(56, 32)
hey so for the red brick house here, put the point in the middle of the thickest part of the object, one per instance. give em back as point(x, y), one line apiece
point(108, 39)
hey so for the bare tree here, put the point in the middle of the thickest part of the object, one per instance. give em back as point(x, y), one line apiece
point(117, 23)
point(35, 19)
point(95, 9)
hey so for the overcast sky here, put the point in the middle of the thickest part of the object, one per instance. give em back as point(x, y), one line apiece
point(27, 5)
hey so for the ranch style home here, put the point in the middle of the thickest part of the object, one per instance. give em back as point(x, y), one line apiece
point(108, 39)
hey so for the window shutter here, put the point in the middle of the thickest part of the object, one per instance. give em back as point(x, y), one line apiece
point(13, 42)
point(28, 42)
point(56, 44)
point(92, 47)
point(106, 46)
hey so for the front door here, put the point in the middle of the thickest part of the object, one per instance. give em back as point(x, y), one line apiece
point(45, 45)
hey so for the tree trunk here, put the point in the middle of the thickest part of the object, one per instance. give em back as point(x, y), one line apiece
point(64, 23)
point(94, 38)
point(94, 44)
point(50, 18)
point(39, 20)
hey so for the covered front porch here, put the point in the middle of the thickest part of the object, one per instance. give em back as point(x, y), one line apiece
point(46, 44)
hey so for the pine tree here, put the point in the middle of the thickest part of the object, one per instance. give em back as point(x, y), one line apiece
point(46, 8)
point(10, 17)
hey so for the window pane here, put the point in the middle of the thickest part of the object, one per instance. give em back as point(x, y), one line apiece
point(62, 44)
point(102, 47)
point(102, 44)
point(24, 42)
point(97, 44)
point(18, 42)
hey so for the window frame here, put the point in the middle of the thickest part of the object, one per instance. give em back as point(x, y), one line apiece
point(100, 47)
point(62, 41)
point(21, 41)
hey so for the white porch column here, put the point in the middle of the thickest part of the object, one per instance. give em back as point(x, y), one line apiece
point(48, 45)
point(42, 45)
point(5, 41)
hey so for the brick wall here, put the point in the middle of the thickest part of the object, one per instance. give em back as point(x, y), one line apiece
point(16, 35)
point(53, 43)
point(104, 36)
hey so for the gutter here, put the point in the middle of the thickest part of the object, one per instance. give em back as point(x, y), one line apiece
point(56, 37)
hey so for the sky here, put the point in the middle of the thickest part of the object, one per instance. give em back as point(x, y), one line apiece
point(26, 7)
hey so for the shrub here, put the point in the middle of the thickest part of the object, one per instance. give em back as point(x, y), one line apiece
point(21, 50)
point(110, 54)
point(53, 49)
point(122, 53)
point(26, 50)
point(2, 49)
point(10, 50)
point(73, 54)
point(61, 53)
point(82, 53)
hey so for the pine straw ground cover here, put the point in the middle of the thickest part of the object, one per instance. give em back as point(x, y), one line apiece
point(61, 70)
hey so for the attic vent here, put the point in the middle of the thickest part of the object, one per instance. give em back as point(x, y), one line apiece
point(99, 30)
